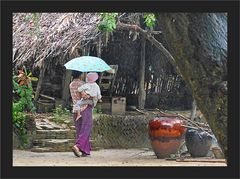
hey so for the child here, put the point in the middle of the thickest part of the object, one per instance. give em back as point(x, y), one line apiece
point(89, 89)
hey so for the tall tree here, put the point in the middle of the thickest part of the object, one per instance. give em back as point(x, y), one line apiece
point(197, 47)
point(198, 43)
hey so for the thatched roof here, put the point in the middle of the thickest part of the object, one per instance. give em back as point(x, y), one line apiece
point(51, 36)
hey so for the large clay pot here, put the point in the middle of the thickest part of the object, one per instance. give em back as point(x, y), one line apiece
point(198, 142)
point(166, 135)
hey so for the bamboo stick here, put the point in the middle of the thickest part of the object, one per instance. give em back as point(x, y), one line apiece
point(201, 160)
point(45, 96)
point(141, 111)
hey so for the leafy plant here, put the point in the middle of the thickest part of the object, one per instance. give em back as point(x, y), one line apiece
point(23, 88)
point(60, 114)
point(25, 78)
point(149, 19)
point(108, 23)
point(19, 121)
point(97, 110)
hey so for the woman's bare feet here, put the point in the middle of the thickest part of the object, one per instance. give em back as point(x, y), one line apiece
point(76, 151)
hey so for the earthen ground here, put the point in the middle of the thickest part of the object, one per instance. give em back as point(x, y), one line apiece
point(106, 157)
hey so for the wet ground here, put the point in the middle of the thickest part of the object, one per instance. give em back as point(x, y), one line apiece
point(106, 157)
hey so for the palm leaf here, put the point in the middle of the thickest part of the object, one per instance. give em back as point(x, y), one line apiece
point(33, 78)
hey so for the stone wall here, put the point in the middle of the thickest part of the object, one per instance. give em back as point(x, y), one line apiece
point(109, 131)
point(16, 141)
point(117, 131)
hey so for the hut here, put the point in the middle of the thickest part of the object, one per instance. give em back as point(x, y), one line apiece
point(44, 42)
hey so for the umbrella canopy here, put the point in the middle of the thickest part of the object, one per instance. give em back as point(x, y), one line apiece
point(87, 64)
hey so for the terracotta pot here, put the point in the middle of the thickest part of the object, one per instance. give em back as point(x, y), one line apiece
point(166, 134)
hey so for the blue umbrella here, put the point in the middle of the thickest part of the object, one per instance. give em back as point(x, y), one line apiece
point(87, 64)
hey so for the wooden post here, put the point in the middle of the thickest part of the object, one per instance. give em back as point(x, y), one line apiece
point(87, 50)
point(66, 92)
point(194, 110)
point(40, 80)
point(99, 54)
point(99, 46)
point(86, 53)
point(142, 92)
point(66, 81)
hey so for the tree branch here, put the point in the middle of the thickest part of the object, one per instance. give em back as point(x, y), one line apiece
point(148, 35)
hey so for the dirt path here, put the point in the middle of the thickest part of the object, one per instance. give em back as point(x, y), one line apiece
point(110, 157)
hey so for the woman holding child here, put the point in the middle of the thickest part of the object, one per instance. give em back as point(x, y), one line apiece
point(84, 98)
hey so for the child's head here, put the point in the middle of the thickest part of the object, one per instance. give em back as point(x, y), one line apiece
point(92, 77)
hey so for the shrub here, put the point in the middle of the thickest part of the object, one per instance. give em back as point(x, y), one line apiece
point(60, 114)
point(22, 88)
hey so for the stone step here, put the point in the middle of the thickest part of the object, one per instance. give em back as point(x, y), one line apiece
point(42, 149)
point(57, 145)
point(55, 134)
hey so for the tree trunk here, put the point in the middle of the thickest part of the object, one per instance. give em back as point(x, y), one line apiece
point(198, 43)
point(142, 92)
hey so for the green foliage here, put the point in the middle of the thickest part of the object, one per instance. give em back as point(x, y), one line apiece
point(24, 103)
point(108, 23)
point(26, 94)
point(19, 121)
point(32, 16)
point(97, 110)
point(60, 114)
point(149, 19)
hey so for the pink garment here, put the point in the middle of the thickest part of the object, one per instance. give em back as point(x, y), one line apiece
point(74, 85)
point(92, 77)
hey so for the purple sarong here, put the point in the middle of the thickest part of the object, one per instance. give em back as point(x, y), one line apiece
point(83, 130)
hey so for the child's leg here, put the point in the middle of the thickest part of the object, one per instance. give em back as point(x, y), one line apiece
point(78, 115)
point(78, 105)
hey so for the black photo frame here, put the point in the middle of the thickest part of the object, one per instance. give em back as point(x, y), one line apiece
point(8, 7)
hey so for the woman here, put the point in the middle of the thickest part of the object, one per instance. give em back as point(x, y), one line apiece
point(84, 124)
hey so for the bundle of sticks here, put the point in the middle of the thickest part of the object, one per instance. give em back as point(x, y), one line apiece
point(187, 122)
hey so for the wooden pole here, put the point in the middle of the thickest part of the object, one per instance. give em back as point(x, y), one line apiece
point(65, 83)
point(142, 92)
point(194, 110)
point(40, 81)
point(99, 46)
point(65, 92)
point(210, 160)
point(45, 96)
point(99, 53)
